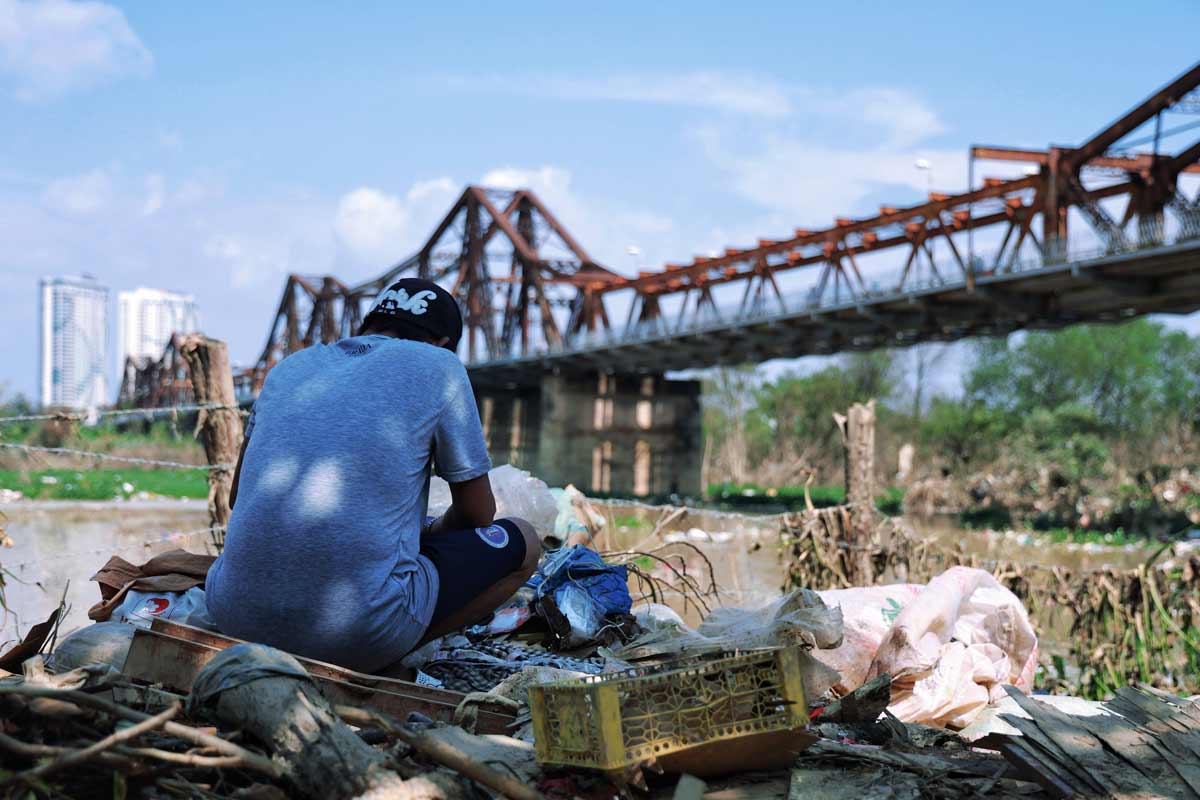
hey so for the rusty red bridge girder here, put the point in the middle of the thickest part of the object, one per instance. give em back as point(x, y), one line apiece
point(534, 299)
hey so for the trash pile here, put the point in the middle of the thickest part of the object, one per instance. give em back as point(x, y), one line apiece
point(571, 689)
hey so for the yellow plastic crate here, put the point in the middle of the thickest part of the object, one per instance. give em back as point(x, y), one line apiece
point(610, 722)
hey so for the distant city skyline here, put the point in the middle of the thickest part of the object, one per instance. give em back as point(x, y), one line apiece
point(146, 319)
point(78, 368)
point(73, 342)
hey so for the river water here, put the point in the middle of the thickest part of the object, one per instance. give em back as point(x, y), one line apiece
point(60, 542)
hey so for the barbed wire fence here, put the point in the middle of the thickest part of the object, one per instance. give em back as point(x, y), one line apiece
point(92, 417)
point(132, 414)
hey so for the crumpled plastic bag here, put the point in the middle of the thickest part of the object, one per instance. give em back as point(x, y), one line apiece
point(517, 493)
point(867, 616)
point(950, 646)
point(100, 643)
point(800, 617)
point(140, 609)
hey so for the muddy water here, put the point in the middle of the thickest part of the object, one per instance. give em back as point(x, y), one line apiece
point(1032, 548)
point(750, 569)
point(57, 542)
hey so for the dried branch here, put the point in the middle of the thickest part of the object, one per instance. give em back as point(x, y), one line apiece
point(251, 760)
point(74, 757)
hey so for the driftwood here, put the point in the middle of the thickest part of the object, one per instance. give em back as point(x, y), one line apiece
point(268, 695)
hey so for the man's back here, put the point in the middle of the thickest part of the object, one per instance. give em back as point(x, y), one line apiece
point(331, 498)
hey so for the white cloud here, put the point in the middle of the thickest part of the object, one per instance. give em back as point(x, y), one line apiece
point(370, 221)
point(548, 182)
point(799, 171)
point(377, 228)
point(80, 195)
point(50, 47)
point(900, 116)
point(813, 182)
point(605, 230)
point(733, 93)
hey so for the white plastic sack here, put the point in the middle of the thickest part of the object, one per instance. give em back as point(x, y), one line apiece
point(949, 646)
point(867, 616)
point(517, 493)
point(140, 609)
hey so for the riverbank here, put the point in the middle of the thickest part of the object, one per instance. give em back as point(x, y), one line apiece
point(103, 484)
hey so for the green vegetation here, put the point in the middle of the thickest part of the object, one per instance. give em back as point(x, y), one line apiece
point(104, 484)
point(1046, 423)
point(752, 496)
point(42, 476)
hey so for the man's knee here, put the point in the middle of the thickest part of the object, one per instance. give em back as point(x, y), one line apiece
point(533, 545)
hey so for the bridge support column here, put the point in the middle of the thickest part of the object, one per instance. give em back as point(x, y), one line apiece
point(624, 435)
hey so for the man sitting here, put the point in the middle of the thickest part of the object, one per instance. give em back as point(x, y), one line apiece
point(327, 555)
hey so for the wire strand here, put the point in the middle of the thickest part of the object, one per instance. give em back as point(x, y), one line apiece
point(65, 451)
point(147, 413)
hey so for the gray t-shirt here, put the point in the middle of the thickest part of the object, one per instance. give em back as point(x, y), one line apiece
point(322, 553)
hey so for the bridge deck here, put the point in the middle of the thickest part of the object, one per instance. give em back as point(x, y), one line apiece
point(1161, 279)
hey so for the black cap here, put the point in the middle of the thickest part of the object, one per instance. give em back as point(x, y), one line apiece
point(419, 304)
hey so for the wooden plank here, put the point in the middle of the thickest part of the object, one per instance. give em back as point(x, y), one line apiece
point(1132, 743)
point(157, 657)
point(1032, 766)
point(1111, 751)
point(1084, 749)
point(1042, 746)
point(220, 641)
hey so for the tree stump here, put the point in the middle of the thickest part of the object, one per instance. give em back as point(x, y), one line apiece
point(220, 428)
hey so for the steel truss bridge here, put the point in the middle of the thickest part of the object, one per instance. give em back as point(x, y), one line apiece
point(1099, 232)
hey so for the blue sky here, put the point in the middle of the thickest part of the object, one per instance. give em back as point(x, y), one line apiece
point(215, 147)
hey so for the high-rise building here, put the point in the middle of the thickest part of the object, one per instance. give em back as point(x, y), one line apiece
point(146, 318)
point(73, 342)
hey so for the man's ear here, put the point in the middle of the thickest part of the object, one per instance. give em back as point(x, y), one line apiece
point(442, 342)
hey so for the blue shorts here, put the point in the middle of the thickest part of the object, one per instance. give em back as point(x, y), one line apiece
point(469, 562)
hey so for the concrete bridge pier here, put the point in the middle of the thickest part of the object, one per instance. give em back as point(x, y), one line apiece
point(605, 433)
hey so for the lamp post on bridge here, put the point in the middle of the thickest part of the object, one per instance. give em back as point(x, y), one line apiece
point(923, 165)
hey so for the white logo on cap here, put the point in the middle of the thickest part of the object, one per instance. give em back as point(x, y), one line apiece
point(399, 300)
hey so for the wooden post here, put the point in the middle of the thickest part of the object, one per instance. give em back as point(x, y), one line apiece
point(220, 428)
point(858, 441)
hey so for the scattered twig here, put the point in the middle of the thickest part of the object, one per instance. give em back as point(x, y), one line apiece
point(249, 759)
point(79, 756)
point(36, 751)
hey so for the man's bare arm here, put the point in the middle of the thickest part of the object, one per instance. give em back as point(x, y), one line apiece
point(472, 506)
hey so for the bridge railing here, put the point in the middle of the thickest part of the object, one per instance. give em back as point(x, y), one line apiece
point(880, 286)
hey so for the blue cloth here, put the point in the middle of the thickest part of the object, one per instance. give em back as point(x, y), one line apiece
point(322, 557)
point(606, 584)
